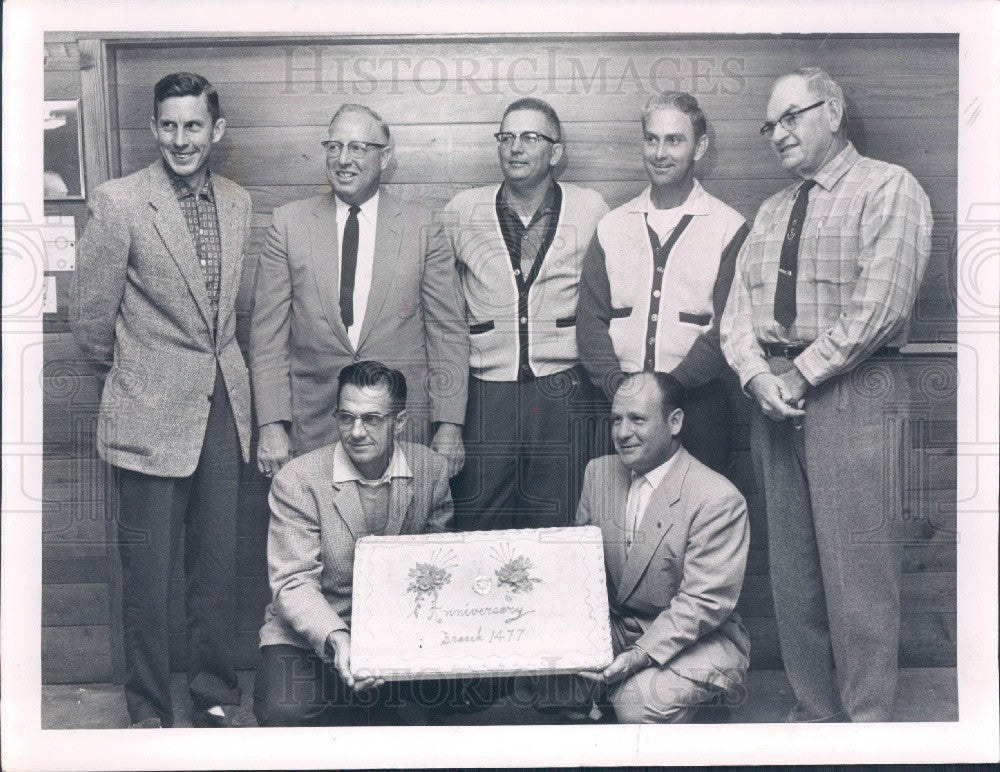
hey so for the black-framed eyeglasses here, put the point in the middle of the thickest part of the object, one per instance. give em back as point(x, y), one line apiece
point(371, 421)
point(789, 120)
point(355, 150)
point(530, 138)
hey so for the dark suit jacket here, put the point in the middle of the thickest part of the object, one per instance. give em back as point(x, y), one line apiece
point(415, 319)
point(138, 305)
point(674, 593)
point(314, 526)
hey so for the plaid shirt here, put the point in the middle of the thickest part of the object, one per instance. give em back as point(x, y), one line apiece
point(528, 243)
point(863, 250)
point(203, 225)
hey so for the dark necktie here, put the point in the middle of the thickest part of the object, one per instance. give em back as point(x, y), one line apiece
point(788, 267)
point(348, 266)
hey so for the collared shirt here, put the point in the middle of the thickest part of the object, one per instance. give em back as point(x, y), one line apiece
point(639, 494)
point(367, 219)
point(663, 221)
point(374, 494)
point(528, 239)
point(862, 253)
point(202, 221)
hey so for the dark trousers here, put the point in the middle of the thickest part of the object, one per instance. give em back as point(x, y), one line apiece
point(708, 425)
point(153, 513)
point(295, 687)
point(832, 490)
point(527, 445)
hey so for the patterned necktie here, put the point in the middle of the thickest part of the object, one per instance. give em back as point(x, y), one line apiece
point(348, 266)
point(788, 267)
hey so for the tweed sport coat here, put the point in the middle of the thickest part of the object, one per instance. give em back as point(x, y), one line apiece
point(674, 593)
point(139, 307)
point(314, 527)
point(414, 322)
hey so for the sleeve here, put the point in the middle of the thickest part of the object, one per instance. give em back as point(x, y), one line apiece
point(442, 507)
point(714, 564)
point(894, 243)
point(445, 328)
point(98, 284)
point(704, 360)
point(593, 322)
point(270, 328)
point(736, 336)
point(294, 562)
point(584, 508)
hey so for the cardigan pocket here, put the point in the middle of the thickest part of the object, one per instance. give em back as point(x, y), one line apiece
point(479, 329)
point(700, 319)
point(569, 321)
point(621, 313)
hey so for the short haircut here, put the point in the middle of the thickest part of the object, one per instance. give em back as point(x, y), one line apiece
point(820, 83)
point(538, 105)
point(671, 392)
point(349, 107)
point(181, 84)
point(369, 374)
point(679, 100)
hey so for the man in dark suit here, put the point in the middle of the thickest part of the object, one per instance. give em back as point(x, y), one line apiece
point(348, 275)
point(152, 302)
point(675, 546)
point(321, 503)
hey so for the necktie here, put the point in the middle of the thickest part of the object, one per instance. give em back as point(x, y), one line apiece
point(784, 292)
point(348, 266)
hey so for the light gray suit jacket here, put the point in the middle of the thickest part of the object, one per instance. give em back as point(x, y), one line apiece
point(415, 318)
point(674, 592)
point(313, 530)
point(139, 307)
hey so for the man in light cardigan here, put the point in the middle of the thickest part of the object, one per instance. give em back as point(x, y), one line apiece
point(519, 247)
point(657, 275)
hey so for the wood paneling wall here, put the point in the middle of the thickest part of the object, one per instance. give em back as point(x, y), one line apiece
point(443, 99)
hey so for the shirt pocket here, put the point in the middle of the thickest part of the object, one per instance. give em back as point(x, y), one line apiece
point(836, 255)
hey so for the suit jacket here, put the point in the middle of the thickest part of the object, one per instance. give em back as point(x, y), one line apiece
point(138, 305)
point(674, 593)
point(314, 526)
point(415, 319)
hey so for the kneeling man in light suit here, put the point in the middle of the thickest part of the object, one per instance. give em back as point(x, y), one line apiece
point(675, 547)
point(321, 503)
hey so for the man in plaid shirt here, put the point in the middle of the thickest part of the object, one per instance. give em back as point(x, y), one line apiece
point(818, 309)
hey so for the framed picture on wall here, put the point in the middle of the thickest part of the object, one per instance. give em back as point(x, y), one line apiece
point(63, 153)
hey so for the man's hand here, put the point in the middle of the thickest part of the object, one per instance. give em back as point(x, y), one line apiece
point(796, 384)
point(338, 645)
point(448, 442)
point(626, 664)
point(775, 397)
point(273, 448)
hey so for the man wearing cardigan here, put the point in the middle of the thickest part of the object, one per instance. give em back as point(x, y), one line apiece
point(519, 248)
point(657, 275)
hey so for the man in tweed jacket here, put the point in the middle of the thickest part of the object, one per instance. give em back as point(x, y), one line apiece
point(153, 303)
point(322, 502)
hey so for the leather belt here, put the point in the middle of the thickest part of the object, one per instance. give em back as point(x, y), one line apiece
point(791, 351)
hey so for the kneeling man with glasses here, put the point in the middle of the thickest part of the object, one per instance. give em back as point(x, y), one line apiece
point(321, 503)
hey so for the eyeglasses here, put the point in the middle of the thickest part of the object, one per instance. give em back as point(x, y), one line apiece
point(355, 150)
point(529, 138)
point(788, 121)
point(371, 421)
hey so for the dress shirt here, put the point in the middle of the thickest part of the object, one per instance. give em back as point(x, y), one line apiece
point(639, 494)
point(374, 494)
point(198, 208)
point(529, 237)
point(863, 250)
point(367, 218)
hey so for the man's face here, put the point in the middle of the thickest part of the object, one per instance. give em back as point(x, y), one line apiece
point(185, 134)
point(369, 449)
point(669, 148)
point(643, 438)
point(806, 148)
point(355, 180)
point(528, 165)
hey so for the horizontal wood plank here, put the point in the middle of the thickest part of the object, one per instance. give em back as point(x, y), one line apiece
point(68, 605)
point(80, 654)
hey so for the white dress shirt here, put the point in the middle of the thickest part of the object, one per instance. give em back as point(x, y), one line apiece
point(639, 494)
point(367, 218)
